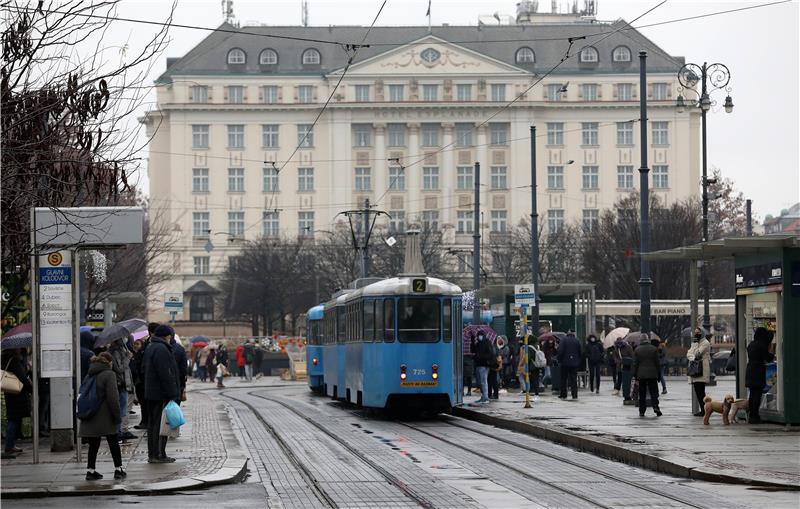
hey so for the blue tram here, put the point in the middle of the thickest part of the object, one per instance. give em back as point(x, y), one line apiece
point(314, 365)
point(395, 343)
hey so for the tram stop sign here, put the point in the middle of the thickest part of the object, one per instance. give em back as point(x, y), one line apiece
point(524, 295)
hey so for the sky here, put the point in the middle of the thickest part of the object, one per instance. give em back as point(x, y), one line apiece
point(756, 146)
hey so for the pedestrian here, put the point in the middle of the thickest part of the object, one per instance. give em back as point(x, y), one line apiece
point(211, 362)
point(662, 366)
point(87, 344)
point(18, 406)
point(533, 370)
point(121, 359)
point(758, 355)
point(137, 373)
point(249, 358)
point(181, 362)
point(202, 363)
point(646, 369)
point(105, 421)
point(700, 351)
point(568, 355)
point(594, 356)
point(469, 363)
point(611, 362)
point(222, 355)
point(222, 371)
point(161, 387)
point(484, 357)
point(240, 360)
point(259, 356)
point(495, 367)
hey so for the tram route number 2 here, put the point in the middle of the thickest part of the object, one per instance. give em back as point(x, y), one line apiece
point(419, 285)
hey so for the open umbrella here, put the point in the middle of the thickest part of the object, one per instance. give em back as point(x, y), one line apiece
point(199, 344)
point(20, 336)
point(120, 330)
point(635, 338)
point(551, 336)
point(722, 354)
point(200, 339)
point(614, 335)
point(473, 330)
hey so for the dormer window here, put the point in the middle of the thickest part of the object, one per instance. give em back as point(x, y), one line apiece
point(621, 54)
point(311, 57)
point(589, 55)
point(268, 57)
point(236, 56)
point(525, 56)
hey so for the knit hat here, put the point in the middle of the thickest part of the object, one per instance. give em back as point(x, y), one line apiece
point(163, 331)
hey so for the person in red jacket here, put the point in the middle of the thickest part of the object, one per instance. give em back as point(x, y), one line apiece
point(240, 360)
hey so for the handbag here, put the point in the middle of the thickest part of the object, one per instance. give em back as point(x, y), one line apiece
point(165, 430)
point(695, 368)
point(10, 383)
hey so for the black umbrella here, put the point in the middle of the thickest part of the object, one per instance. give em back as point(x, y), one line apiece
point(18, 337)
point(120, 330)
point(201, 339)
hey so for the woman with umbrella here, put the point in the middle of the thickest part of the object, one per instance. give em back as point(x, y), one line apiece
point(18, 405)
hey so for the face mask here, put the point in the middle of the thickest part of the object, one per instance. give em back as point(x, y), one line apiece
point(698, 336)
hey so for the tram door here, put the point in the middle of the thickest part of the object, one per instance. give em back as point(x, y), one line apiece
point(458, 354)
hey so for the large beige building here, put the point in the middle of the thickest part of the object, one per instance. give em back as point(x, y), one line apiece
point(233, 155)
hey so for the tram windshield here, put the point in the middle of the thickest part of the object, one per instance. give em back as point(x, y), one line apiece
point(418, 320)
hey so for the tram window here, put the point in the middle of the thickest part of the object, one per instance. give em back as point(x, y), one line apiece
point(378, 320)
point(369, 321)
point(388, 320)
point(341, 325)
point(360, 328)
point(447, 321)
point(418, 320)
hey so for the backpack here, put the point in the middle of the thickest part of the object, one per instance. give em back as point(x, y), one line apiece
point(89, 401)
point(539, 360)
point(249, 354)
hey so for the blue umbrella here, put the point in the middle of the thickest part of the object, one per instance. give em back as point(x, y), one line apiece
point(20, 336)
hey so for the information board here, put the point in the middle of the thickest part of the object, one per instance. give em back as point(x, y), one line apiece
point(55, 314)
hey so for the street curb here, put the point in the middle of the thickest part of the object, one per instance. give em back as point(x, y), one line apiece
point(610, 450)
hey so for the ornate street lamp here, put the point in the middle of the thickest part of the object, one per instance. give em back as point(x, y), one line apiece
point(711, 77)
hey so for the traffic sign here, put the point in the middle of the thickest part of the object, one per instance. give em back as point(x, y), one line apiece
point(524, 295)
point(173, 301)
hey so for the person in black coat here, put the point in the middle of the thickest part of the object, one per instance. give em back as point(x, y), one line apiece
point(594, 355)
point(182, 361)
point(758, 355)
point(18, 406)
point(645, 369)
point(569, 359)
point(87, 343)
point(161, 385)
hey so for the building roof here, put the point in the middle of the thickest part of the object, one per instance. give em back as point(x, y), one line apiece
point(548, 42)
point(726, 248)
point(200, 288)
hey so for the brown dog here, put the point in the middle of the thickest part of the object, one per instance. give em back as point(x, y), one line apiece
point(722, 407)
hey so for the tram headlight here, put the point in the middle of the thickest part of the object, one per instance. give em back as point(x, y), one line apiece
point(314, 361)
point(435, 371)
point(403, 374)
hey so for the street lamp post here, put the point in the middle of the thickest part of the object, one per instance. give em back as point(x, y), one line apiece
point(712, 77)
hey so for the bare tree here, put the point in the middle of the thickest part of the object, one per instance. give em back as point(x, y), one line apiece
point(68, 103)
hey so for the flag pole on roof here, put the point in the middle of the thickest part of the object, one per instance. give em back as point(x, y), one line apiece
point(429, 16)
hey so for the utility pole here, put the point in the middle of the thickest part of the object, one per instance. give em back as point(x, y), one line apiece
point(749, 212)
point(364, 215)
point(644, 206)
point(534, 239)
point(365, 251)
point(476, 245)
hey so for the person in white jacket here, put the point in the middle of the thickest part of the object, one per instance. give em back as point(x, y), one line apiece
point(700, 351)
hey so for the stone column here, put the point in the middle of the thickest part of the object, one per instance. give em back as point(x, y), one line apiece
point(413, 177)
point(448, 177)
point(380, 177)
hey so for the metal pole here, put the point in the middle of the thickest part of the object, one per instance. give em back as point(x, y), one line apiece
point(365, 251)
point(703, 269)
point(527, 374)
point(534, 237)
point(644, 202)
point(76, 344)
point(749, 211)
point(35, 337)
point(476, 245)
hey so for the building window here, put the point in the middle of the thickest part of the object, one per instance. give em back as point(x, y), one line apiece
point(589, 91)
point(236, 224)
point(430, 135)
point(625, 177)
point(201, 308)
point(464, 177)
point(269, 136)
point(236, 57)
point(362, 135)
point(270, 94)
point(305, 180)
point(624, 91)
point(430, 220)
point(199, 136)
point(499, 218)
point(362, 93)
point(591, 219)
point(305, 135)
point(660, 133)
point(199, 180)
point(660, 176)
point(396, 93)
point(498, 92)
point(464, 221)
point(396, 135)
point(621, 54)
point(591, 177)
point(311, 57)
point(270, 180)
point(464, 92)
point(271, 224)
point(554, 91)
point(235, 94)
point(555, 177)
point(498, 133)
point(305, 224)
point(525, 56)
point(202, 265)
point(200, 225)
point(397, 221)
point(464, 261)
point(660, 91)
point(363, 179)
point(235, 136)
point(499, 177)
point(430, 178)
point(268, 57)
point(397, 179)
point(624, 133)
point(199, 94)
point(463, 135)
point(589, 55)
point(555, 220)
point(555, 133)
point(305, 94)
point(430, 92)
point(235, 180)
point(589, 133)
